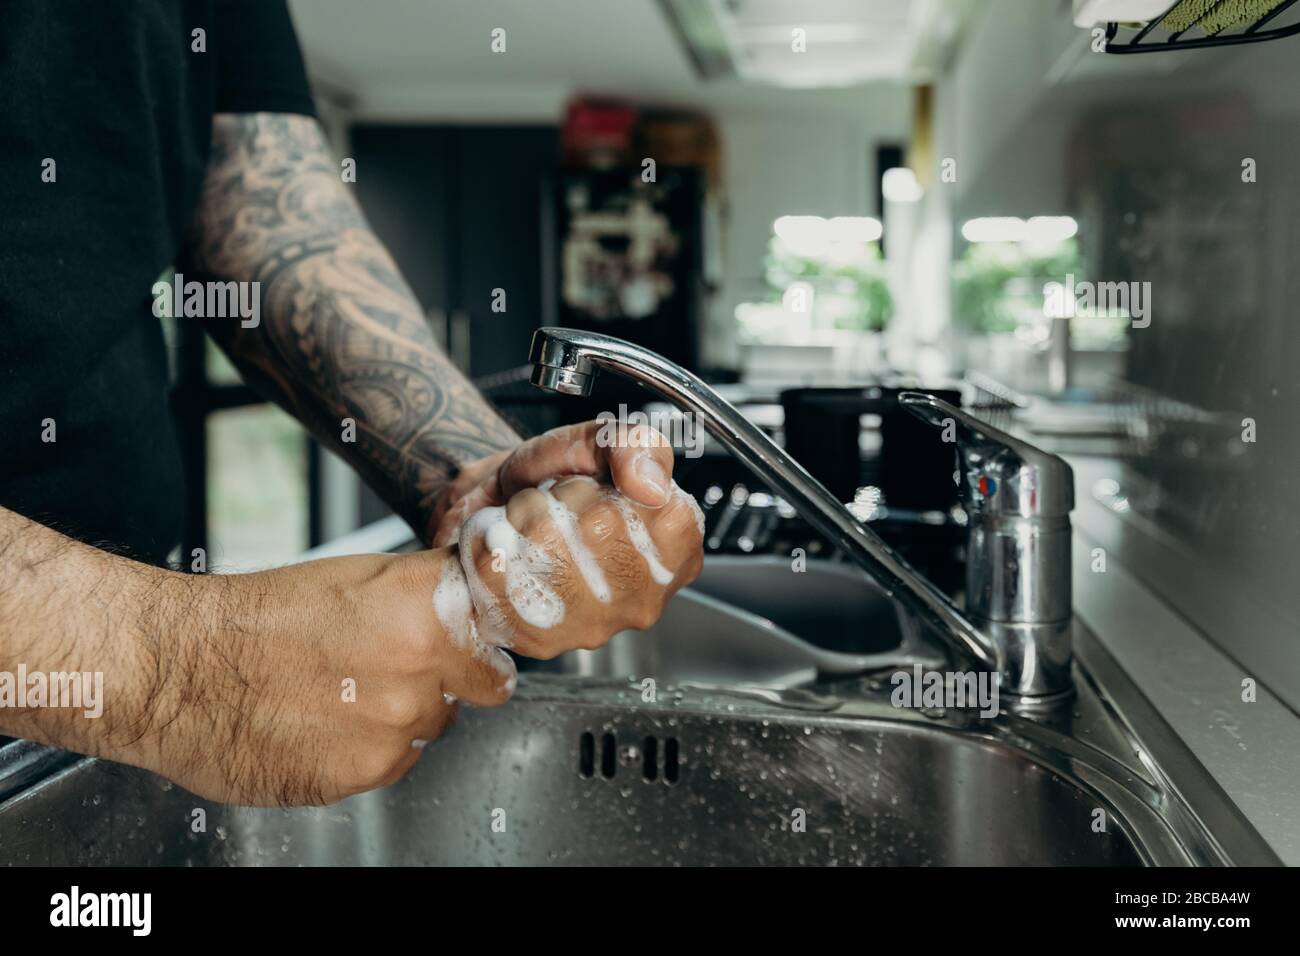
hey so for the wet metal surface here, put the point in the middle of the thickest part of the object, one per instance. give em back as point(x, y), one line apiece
point(698, 770)
point(576, 771)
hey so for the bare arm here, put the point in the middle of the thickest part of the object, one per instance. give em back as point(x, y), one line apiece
point(229, 684)
point(308, 683)
point(341, 335)
point(67, 608)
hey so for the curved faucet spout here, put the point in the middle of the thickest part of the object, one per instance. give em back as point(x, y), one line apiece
point(567, 360)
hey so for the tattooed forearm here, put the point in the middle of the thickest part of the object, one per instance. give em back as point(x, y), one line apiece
point(341, 336)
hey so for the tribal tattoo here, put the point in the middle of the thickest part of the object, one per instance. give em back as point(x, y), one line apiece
point(341, 336)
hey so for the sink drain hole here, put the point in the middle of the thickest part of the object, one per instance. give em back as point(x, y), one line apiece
point(608, 756)
point(659, 759)
point(650, 759)
point(670, 760)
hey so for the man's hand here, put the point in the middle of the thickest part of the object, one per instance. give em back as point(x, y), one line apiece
point(311, 683)
point(307, 684)
point(639, 464)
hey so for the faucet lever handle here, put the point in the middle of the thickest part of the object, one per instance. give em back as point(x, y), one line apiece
point(1000, 474)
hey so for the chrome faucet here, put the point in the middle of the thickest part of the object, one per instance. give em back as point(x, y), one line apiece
point(1018, 499)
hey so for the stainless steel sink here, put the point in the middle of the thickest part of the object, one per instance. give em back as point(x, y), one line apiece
point(829, 604)
point(760, 741)
point(756, 621)
point(586, 771)
point(591, 776)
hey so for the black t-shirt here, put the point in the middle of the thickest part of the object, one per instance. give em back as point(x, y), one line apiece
point(120, 98)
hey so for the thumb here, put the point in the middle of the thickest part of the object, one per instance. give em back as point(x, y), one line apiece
point(638, 460)
point(642, 467)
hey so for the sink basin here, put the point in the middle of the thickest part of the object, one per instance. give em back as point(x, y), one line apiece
point(831, 605)
point(589, 778)
point(756, 621)
point(807, 767)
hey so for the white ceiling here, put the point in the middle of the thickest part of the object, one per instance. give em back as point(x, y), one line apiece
point(848, 41)
point(416, 57)
point(408, 42)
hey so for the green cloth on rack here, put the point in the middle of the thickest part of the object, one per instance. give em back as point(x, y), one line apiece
point(1215, 16)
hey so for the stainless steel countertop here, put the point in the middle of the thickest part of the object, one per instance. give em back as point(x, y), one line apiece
point(1251, 749)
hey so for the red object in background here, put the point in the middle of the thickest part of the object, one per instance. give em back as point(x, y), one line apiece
point(598, 133)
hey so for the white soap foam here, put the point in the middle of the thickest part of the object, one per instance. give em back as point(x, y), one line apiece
point(454, 607)
point(566, 522)
point(526, 567)
point(641, 540)
point(452, 604)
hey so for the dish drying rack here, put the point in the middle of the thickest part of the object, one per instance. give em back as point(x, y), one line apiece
point(1256, 31)
point(992, 401)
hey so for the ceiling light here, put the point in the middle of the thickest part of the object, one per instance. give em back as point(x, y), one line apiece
point(994, 229)
point(854, 229)
point(1049, 229)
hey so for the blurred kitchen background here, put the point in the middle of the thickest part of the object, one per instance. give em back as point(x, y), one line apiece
point(847, 197)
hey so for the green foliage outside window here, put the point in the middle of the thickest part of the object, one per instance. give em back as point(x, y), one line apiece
point(851, 284)
point(998, 286)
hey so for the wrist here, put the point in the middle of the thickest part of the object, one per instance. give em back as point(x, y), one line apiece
point(471, 475)
point(139, 662)
point(166, 684)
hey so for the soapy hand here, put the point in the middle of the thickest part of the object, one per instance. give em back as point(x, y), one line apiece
point(566, 565)
point(311, 683)
point(566, 540)
point(638, 461)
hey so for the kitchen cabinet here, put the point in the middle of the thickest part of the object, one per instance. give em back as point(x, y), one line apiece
point(465, 211)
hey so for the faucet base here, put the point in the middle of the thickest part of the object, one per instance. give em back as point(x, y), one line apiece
point(1035, 658)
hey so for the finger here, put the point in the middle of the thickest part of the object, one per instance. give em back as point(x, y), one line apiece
point(479, 674)
point(641, 466)
point(669, 539)
point(678, 528)
point(624, 573)
point(570, 450)
point(520, 583)
point(435, 725)
point(471, 667)
point(485, 495)
point(639, 460)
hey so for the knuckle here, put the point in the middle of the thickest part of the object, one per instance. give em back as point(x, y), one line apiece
point(644, 616)
point(676, 520)
point(597, 639)
point(413, 649)
point(400, 709)
point(693, 567)
point(539, 648)
point(601, 521)
point(372, 767)
point(647, 436)
point(527, 509)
